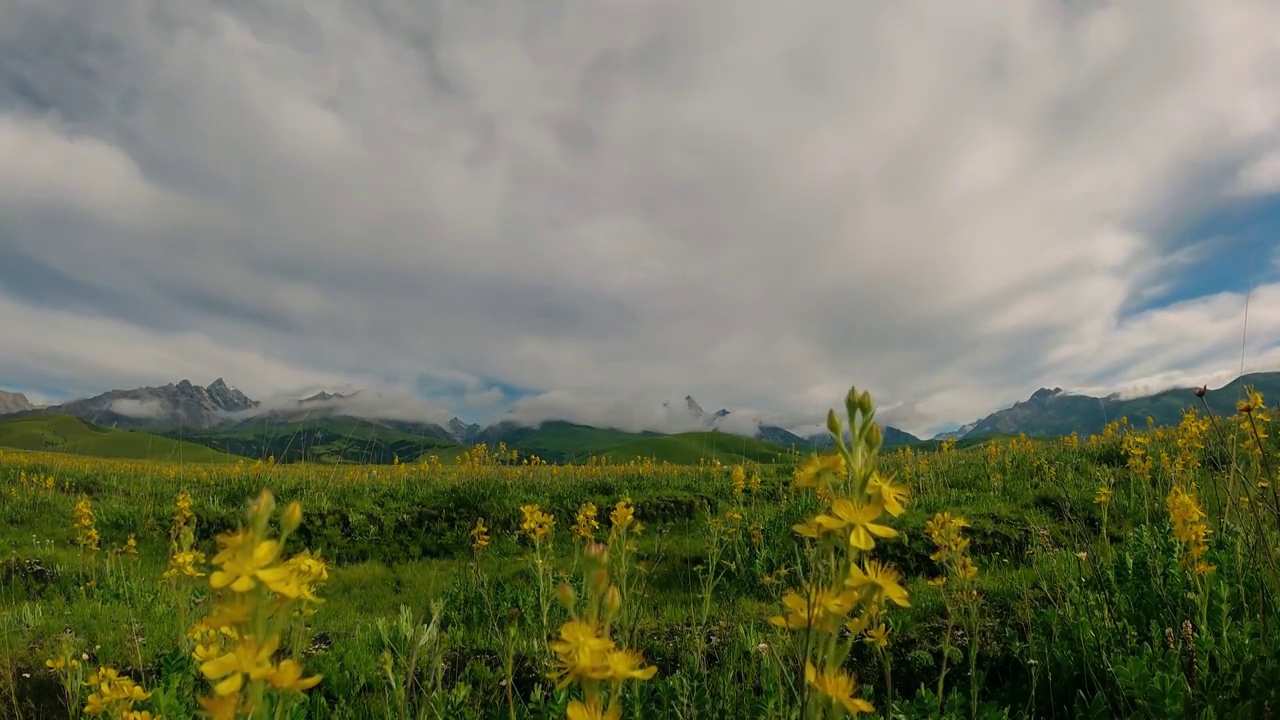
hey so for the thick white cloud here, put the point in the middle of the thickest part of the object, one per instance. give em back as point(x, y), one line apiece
point(948, 204)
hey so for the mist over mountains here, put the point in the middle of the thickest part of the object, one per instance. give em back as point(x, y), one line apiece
point(187, 407)
point(222, 417)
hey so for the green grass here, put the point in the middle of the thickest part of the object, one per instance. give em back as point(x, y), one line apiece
point(67, 434)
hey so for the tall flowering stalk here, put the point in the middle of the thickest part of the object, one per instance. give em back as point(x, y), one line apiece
point(946, 532)
point(260, 598)
point(586, 653)
point(538, 526)
point(846, 589)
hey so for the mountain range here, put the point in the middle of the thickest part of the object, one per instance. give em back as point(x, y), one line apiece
point(361, 427)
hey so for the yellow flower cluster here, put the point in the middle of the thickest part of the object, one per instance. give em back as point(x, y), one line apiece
point(86, 532)
point(586, 524)
point(585, 652)
point(536, 523)
point(114, 695)
point(184, 560)
point(479, 535)
point(1191, 434)
point(1139, 461)
point(1189, 528)
point(952, 547)
point(252, 613)
point(1254, 420)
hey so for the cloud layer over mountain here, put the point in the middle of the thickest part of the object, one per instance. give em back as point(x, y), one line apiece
point(951, 204)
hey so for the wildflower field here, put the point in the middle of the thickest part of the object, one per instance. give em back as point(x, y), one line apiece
point(1128, 574)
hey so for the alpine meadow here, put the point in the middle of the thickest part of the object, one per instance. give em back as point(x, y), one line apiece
point(1131, 573)
point(639, 360)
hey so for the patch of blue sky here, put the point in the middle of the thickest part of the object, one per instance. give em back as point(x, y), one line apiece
point(1236, 246)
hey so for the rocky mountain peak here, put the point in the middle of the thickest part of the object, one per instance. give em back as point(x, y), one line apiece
point(1045, 393)
point(12, 402)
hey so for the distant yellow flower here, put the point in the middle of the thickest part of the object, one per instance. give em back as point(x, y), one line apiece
point(623, 514)
point(819, 472)
point(585, 524)
point(536, 523)
point(878, 636)
point(480, 535)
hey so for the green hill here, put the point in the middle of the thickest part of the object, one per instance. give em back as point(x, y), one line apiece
point(347, 440)
point(559, 441)
point(689, 448)
point(329, 440)
point(67, 434)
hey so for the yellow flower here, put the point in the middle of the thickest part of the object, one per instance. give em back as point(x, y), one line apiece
point(243, 563)
point(818, 472)
point(1103, 496)
point(585, 524)
point(249, 658)
point(480, 535)
point(288, 676)
point(828, 606)
point(859, 518)
point(592, 710)
point(623, 514)
point(582, 652)
point(628, 665)
point(878, 636)
point(882, 579)
point(892, 497)
point(839, 687)
point(536, 523)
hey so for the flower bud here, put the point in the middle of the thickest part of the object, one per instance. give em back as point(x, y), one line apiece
point(865, 404)
point(833, 424)
point(874, 437)
point(613, 600)
point(600, 580)
point(567, 597)
point(292, 517)
point(851, 403)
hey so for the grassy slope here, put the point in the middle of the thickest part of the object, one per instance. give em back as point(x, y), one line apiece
point(344, 440)
point(689, 448)
point(67, 434)
point(332, 440)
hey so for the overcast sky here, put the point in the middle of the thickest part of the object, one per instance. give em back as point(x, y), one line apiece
point(589, 206)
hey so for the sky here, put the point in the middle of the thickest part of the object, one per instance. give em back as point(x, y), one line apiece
point(578, 209)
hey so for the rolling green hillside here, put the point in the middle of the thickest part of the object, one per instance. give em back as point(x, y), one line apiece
point(558, 441)
point(344, 440)
point(67, 434)
point(689, 448)
point(330, 440)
